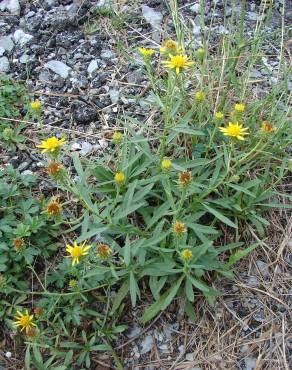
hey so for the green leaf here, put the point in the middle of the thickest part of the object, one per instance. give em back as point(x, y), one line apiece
point(134, 289)
point(235, 257)
point(163, 302)
point(123, 291)
point(189, 310)
point(220, 216)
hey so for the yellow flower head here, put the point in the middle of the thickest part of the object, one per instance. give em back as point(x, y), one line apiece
point(199, 96)
point(54, 207)
point(24, 321)
point(103, 250)
point(239, 108)
point(166, 164)
point(234, 130)
point(117, 137)
point(52, 144)
point(186, 254)
point(146, 53)
point(185, 178)
point(170, 46)
point(77, 251)
point(179, 228)
point(120, 178)
point(177, 62)
point(18, 243)
point(268, 127)
point(35, 105)
point(219, 116)
point(54, 168)
point(73, 283)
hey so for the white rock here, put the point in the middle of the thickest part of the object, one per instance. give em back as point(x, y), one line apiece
point(58, 67)
point(146, 344)
point(11, 5)
point(114, 95)
point(195, 8)
point(86, 148)
point(4, 64)
point(151, 16)
point(2, 51)
point(21, 37)
point(8, 354)
point(93, 66)
point(24, 59)
point(250, 363)
point(75, 146)
point(27, 172)
point(190, 357)
point(6, 43)
point(103, 143)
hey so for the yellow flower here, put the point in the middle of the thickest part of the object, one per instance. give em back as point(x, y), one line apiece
point(117, 137)
point(146, 53)
point(234, 130)
point(73, 283)
point(179, 228)
point(177, 62)
point(54, 168)
point(119, 178)
point(170, 46)
point(200, 96)
point(18, 243)
point(219, 116)
point(35, 105)
point(268, 127)
point(52, 144)
point(25, 321)
point(103, 250)
point(54, 207)
point(166, 164)
point(186, 254)
point(185, 178)
point(77, 251)
point(239, 108)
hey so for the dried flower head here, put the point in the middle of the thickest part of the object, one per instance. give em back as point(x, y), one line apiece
point(234, 130)
point(185, 178)
point(18, 243)
point(268, 127)
point(76, 252)
point(186, 254)
point(177, 62)
point(120, 178)
point(31, 332)
point(24, 321)
point(103, 250)
point(239, 108)
point(170, 46)
point(51, 145)
point(179, 228)
point(38, 311)
point(54, 207)
point(166, 164)
point(54, 168)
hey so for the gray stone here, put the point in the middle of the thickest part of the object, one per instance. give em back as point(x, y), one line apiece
point(153, 17)
point(250, 363)
point(58, 67)
point(107, 55)
point(6, 43)
point(136, 330)
point(93, 66)
point(2, 51)
point(24, 59)
point(146, 344)
point(21, 37)
point(4, 64)
point(86, 148)
point(114, 95)
point(11, 5)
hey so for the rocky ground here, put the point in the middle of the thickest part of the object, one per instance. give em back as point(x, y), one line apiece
point(81, 61)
